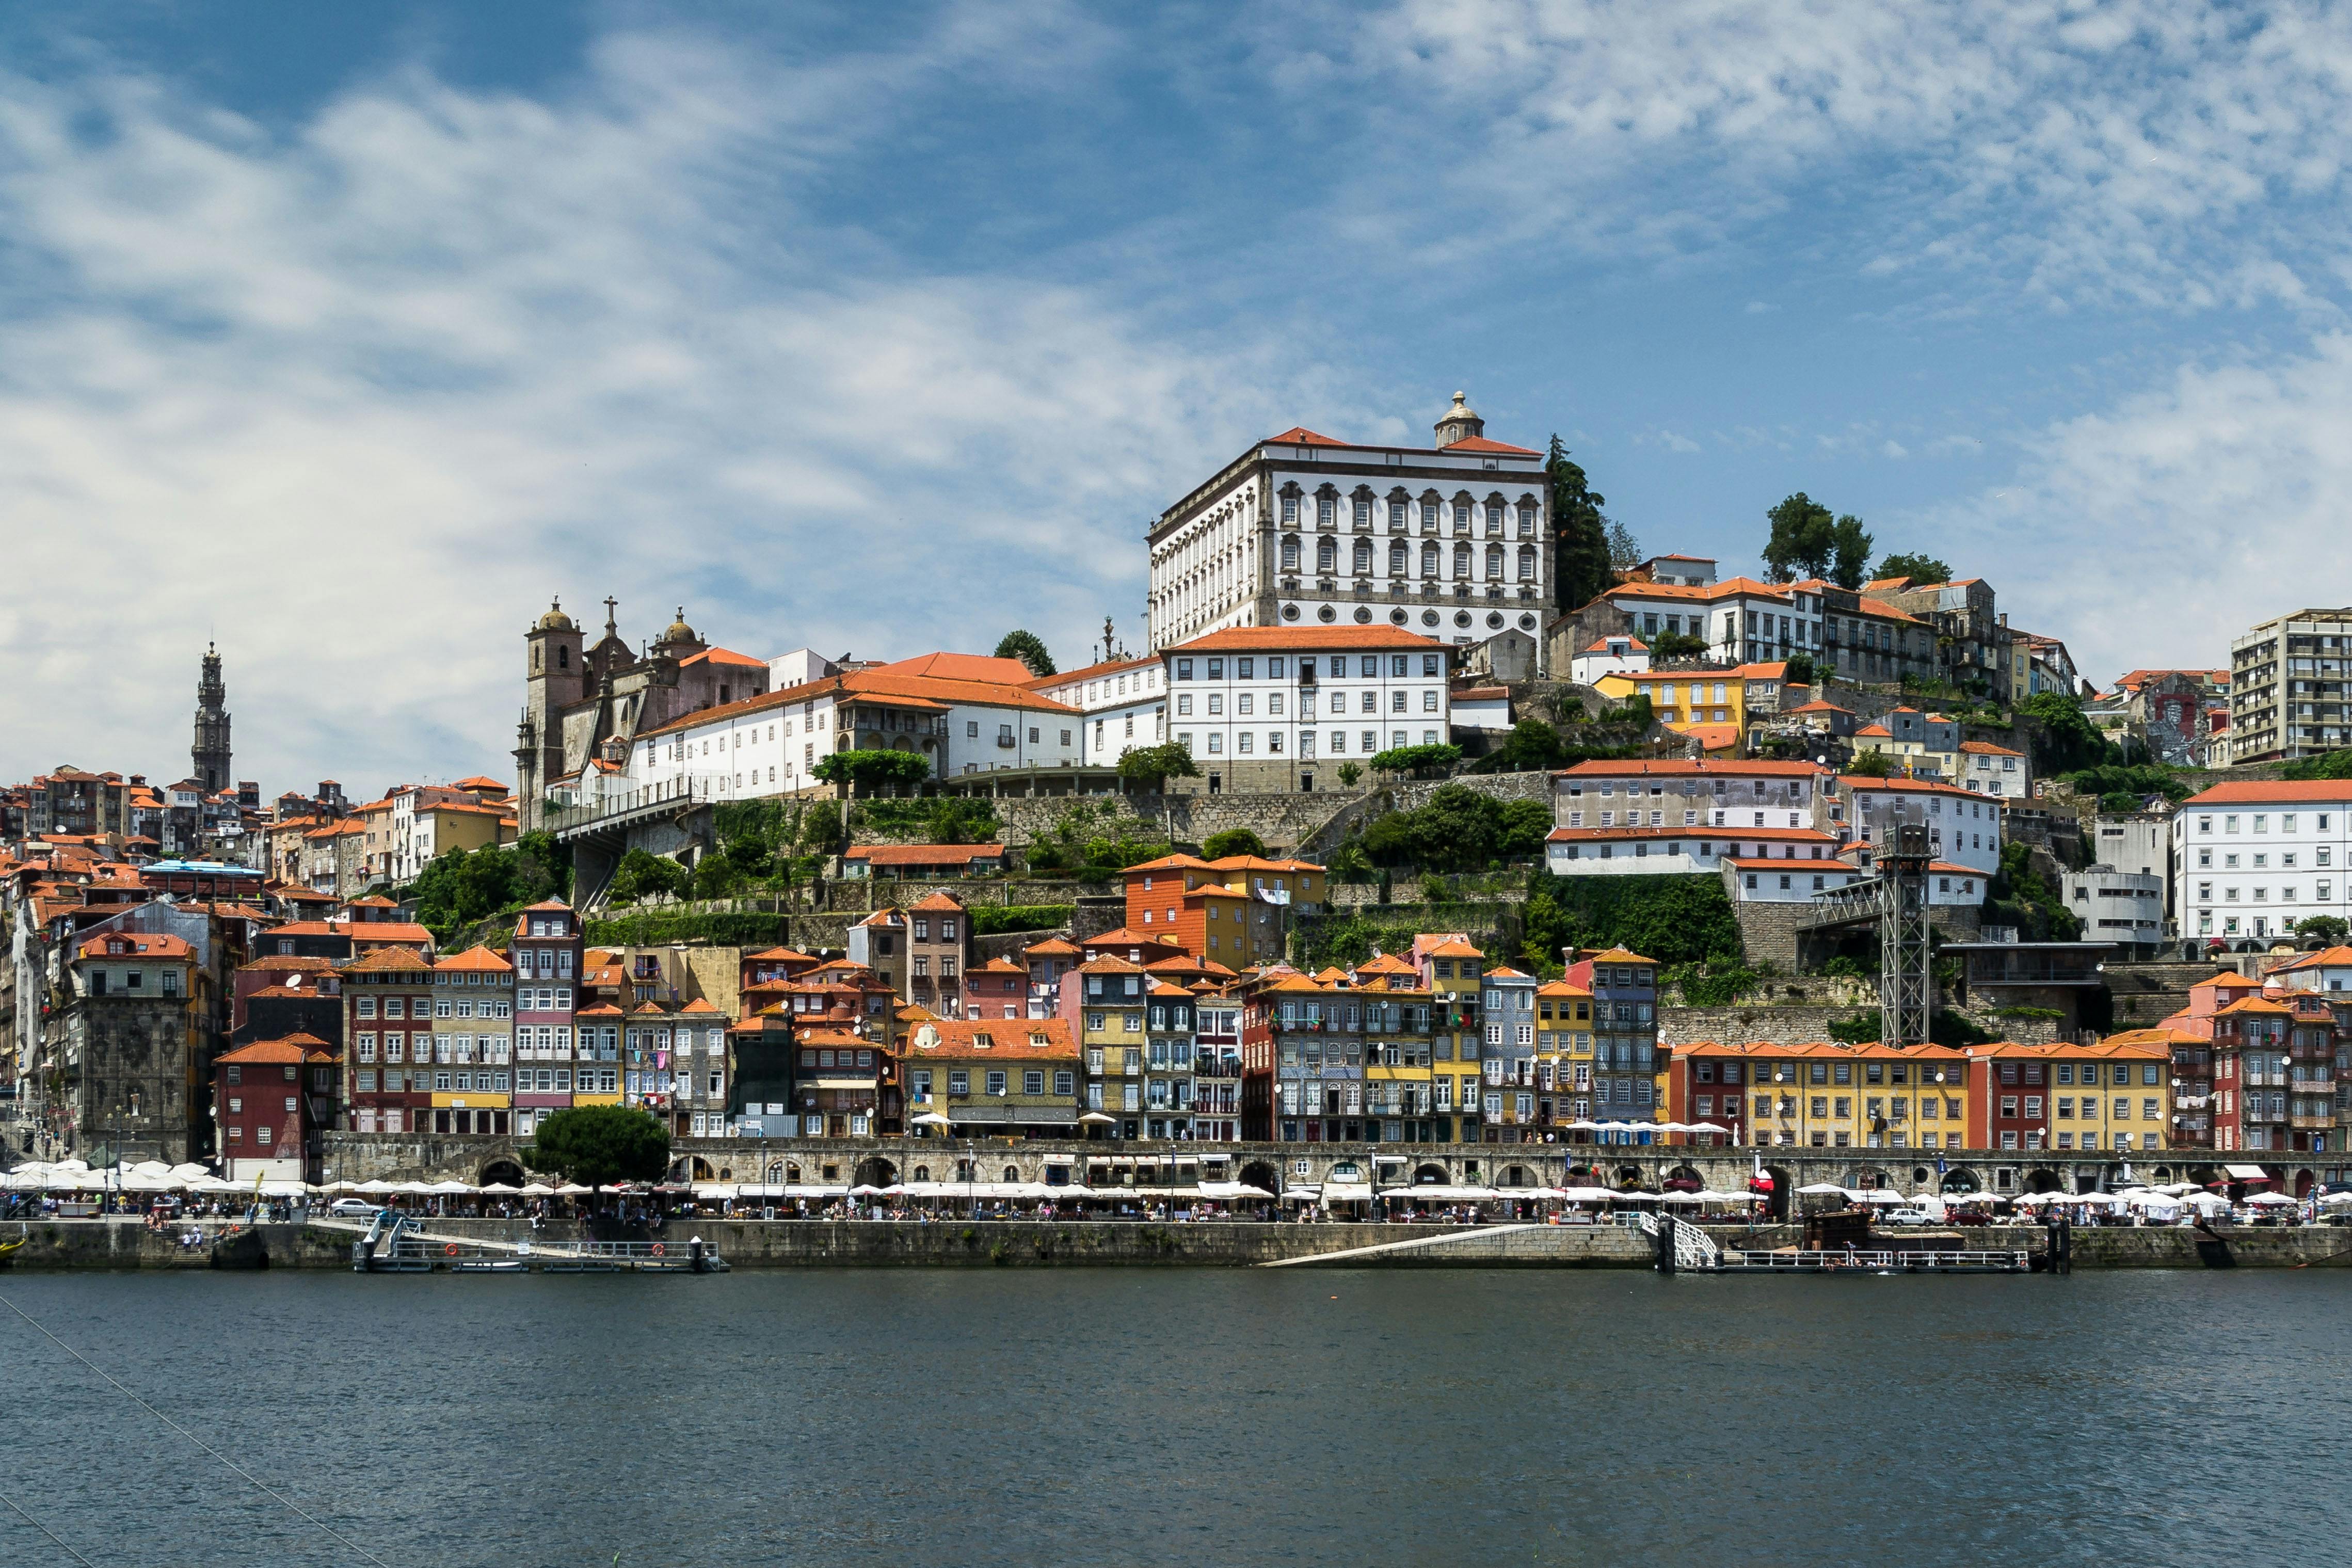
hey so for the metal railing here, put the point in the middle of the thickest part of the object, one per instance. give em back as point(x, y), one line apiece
point(684, 790)
point(1799, 1260)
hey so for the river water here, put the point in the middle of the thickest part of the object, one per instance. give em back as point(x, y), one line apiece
point(1182, 1417)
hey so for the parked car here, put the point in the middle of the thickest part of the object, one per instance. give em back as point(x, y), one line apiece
point(1907, 1217)
point(352, 1208)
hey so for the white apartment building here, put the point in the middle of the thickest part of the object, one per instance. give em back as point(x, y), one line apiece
point(1675, 815)
point(1963, 828)
point(2250, 859)
point(964, 712)
point(1123, 704)
point(1263, 707)
point(1305, 530)
point(2289, 695)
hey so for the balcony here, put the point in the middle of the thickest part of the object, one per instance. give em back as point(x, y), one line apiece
point(2267, 1081)
point(2313, 1123)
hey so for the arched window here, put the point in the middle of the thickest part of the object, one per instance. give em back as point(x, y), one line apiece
point(1290, 506)
point(1526, 519)
point(1327, 556)
point(1396, 514)
point(563, 658)
point(1429, 560)
point(1495, 518)
point(1494, 563)
point(1462, 511)
point(1527, 563)
point(1397, 559)
point(1363, 558)
point(1326, 510)
point(1429, 514)
point(1363, 511)
point(1290, 554)
point(1461, 561)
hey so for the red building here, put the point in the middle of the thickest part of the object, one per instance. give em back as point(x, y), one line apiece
point(272, 1100)
point(547, 953)
point(388, 1022)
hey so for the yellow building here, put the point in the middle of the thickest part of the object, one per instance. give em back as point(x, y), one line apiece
point(1823, 1095)
point(1712, 706)
point(1112, 998)
point(1563, 1053)
point(1400, 1082)
point(1452, 968)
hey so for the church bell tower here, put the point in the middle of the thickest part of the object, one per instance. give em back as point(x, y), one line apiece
point(209, 757)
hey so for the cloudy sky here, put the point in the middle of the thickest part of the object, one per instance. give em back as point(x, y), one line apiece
point(348, 335)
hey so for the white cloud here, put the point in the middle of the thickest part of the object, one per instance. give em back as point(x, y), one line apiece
point(2151, 152)
point(357, 399)
point(2152, 535)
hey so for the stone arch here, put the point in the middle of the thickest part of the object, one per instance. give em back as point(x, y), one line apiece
point(1687, 1176)
point(1867, 1177)
point(1011, 1173)
point(1629, 1174)
point(502, 1169)
point(1516, 1177)
point(922, 1173)
point(2304, 1181)
point(2043, 1179)
point(1260, 1174)
point(1784, 1192)
point(1431, 1174)
point(874, 1170)
point(1961, 1182)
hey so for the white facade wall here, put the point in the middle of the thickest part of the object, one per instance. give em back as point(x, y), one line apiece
point(1722, 796)
point(1962, 829)
point(1123, 707)
point(2249, 870)
point(984, 736)
point(1787, 881)
point(1350, 537)
point(1256, 706)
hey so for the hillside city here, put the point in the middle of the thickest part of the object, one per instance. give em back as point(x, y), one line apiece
point(1428, 812)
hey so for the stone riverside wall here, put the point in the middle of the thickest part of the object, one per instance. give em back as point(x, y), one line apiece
point(752, 1245)
point(1784, 1025)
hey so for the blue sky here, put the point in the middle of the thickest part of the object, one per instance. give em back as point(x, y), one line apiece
point(348, 335)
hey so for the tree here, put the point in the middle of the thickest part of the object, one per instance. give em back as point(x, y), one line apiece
point(1533, 746)
point(2066, 739)
point(1918, 568)
point(2328, 930)
point(1803, 540)
point(1624, 550)
point(1869, 765)
point(864, 772)
point(2326, 765)
point(1421, 761)
point(600, 1145)
point(1029, 649)
point(1581, 570)
point(1799, 671)
point(1668, 647)
point(1349, 773)
point(1850, 546)
point(1232, 841)
point(1149, 768)
point(642, 875)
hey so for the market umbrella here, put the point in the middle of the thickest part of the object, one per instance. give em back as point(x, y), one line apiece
point(1821, 1190)
point(538, 1190)
point(1684, 1198)
point(449, 1189)
point(574, 1190)
point(933, 1119)
point(1097, 1119)
point(2269, 1200)
point(1881, 1195)
point(500, 1189)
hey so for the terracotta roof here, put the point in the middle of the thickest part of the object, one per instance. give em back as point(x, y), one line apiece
point(1009, 1038)
point(487, 960)
point(1481, 443)
point(1619, 955)
point(1305, 639)
point(389, 960)
point(1301, 436)
point(1051, 947)
point(1091, 671)
point(921, 854)
point(2276, 792)
point(1676, 767)
point(292, 1050)
point(1108, 963)
point(1455, 949)
point(941, 903)
point(1916, 786)
point(142, 944)
point(1987, 749)
point(1632, 645)
point(723, 656)
point(479, 782)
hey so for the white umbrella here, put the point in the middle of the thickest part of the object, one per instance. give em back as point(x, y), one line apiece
point(1097, 1119)
point(1221, 1191)
point(2095, 1200)
point(2269, 1200)
point(1584, 1126)
point(574, 1190)
point(1636, 1197)
point(449, 1189)
point(2336, 1200)
point(538, 1190)
point(2208, 1203)
point(1821, 1190)
point(1683, 1198)
point(931, 1119)
point(1587, 1194)
point(1706, 1127)
point(283, 1189)
point(1881, 1195)
point(500, 1189)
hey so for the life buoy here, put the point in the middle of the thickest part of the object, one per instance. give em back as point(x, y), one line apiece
point(657, 1249)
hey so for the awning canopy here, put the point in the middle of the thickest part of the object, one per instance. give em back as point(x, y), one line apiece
point(2247, 1172)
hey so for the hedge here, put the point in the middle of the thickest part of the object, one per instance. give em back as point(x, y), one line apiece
point(993, 920)
point(734, 928)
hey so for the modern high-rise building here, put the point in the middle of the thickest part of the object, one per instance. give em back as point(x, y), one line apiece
point(2288, 696)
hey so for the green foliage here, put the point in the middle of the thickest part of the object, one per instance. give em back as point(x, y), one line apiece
point(598, 1145)
point(866, 770)
point(1638, 712)
point(459, 889)
point(1349, 773)
point(2119, 803)
point(1090, 842)
point(1803, 539)
point(936, 819)
point(1920, 569)
point(716, 876)
point(1855, 1029)
point(1349, 941)
point(1850, 546)
point(643, 876)
point(1624, 550)
point(1458, 830)
point(1580, 567)
point(766, 820)
point(654, 928)
point(1149, 768)
point(1870, 765)
point(1800, 669)
point(2018, 896)
point(992, 920)
point(1675, 918)
point(1945, 1028)
point(2065, 742)
point(1845, 966)
point(1712, 985)
point(1533, 746)
point(1350, 865)
point(2326, 765)
point(1232, 841)
point(2329, 931)
point(2135, 782)
point(1030, 649)
point(1668, 647)
point(2042, 1013)
point(820, 827)
point(1421, 761)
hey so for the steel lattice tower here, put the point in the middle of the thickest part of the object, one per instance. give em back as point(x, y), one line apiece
point(1906, 988)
